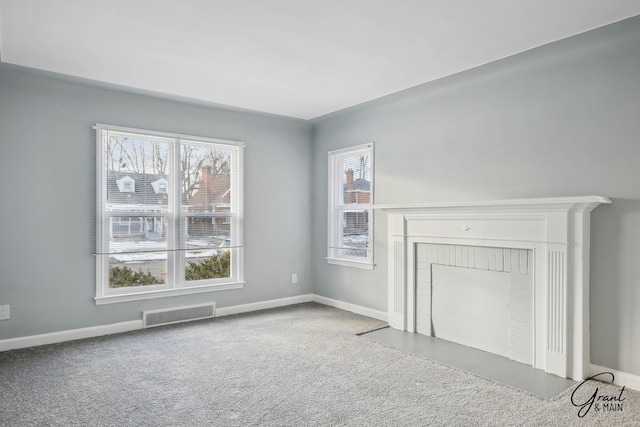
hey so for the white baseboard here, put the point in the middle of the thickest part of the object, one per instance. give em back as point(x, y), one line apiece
point(262, 305)
point(358, 309)
point(116, 328)
point(620, 378)
point(69, 335)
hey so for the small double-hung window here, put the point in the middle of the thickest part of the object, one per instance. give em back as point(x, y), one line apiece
point(350, 199)
point(169, 214)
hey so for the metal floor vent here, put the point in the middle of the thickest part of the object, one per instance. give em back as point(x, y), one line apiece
point(167, 316)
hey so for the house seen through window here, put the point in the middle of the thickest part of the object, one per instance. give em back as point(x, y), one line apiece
point(169, 216)
point(350, 199)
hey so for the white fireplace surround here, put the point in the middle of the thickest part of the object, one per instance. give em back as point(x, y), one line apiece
point(556, 230)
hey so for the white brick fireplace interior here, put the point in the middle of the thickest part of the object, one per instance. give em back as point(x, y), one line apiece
point(478, 296)
point(510, 277)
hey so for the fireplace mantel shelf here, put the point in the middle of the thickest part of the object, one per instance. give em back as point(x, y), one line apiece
point(545, 203)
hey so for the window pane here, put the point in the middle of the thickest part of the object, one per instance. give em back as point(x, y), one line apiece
point(208, 264)
point(207, 242)
point(206, 178)
point(137, 174)
point(355, 233)
point(137, 251)
point(357, 179)
point(206, 187)
point(210, 230)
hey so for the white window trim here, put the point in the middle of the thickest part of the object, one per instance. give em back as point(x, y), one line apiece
point(335, 194)
point(105, 295)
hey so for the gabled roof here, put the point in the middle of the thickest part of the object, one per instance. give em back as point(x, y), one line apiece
point(144, 193)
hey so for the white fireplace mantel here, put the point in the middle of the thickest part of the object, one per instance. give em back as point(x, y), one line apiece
point(556, 229)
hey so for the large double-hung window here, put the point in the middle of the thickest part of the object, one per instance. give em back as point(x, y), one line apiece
point(169, 214)
point(350, 199)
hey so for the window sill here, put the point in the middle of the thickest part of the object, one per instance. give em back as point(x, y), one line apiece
point(350, 263)
point(110, 299)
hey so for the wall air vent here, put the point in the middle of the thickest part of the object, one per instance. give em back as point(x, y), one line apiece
point(168, 316)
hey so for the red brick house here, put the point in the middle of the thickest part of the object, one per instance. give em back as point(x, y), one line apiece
point(356, 192)
point(213, 195)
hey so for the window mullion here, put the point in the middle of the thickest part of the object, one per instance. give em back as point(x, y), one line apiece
point(174, 237)
point(354, 207)
point(102, 237)
point(339, 171)
point(237, 215)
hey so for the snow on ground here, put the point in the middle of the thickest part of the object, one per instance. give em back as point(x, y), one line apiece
point(156, 250)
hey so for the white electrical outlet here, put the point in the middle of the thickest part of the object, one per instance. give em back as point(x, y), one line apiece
point(4, 312)
point(294, 278)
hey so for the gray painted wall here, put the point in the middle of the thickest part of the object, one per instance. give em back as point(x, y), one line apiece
point(47, 156)
point(560, 120)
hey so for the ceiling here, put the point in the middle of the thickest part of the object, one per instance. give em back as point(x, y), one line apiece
point(294, 58)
